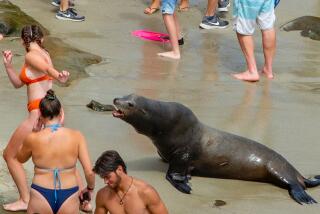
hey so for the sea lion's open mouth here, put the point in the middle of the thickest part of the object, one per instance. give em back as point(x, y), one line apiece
point(117, 113)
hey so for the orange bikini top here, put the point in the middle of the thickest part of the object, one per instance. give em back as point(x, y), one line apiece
point(27, 80)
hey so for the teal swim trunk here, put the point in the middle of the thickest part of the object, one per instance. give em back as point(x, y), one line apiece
point(248, 13)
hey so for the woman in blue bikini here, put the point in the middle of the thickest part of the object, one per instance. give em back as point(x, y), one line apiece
point(55, 151)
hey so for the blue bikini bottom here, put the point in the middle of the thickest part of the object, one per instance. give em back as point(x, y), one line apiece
point(55, 197)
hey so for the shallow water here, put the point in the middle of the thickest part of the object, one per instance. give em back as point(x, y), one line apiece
point(282, 114)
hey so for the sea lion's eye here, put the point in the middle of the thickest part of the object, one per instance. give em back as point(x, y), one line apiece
point(130, 104)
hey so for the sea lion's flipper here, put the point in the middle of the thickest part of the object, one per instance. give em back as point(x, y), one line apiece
point(179, 182)
point(162, 157)
point(312, 183)
point(299, 195)
point(177, 175)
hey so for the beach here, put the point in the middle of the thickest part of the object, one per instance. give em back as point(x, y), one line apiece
point(282, 114)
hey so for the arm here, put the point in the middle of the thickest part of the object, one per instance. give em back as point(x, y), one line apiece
point(85, 161)
point(153, 201)
point(25, 152)
point(100, 208)
point(13, 76)
point(37, 62)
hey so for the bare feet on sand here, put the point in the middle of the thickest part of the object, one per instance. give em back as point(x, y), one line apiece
point(267, 73)
point(247, 76)
point(184, 6)
point(170, 54)
point(19, 205)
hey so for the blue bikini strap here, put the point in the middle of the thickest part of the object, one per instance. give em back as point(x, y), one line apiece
point(54, 127)
point(56, 178)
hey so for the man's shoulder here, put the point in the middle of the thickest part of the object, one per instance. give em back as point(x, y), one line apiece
point(144, 188)
point(104, 192)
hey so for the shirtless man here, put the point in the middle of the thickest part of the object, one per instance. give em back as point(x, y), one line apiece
point(123, 193)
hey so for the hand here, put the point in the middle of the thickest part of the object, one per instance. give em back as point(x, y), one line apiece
point(7, 57)
point(85, 195)
point(63, 76)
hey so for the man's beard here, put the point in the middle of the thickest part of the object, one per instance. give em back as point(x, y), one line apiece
point(116, 184)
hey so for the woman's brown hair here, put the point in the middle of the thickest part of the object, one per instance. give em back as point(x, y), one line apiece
point(31, 33)
point(50, 106)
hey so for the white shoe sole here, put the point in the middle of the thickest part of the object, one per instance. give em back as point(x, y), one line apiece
point(55, 4)
point(207, 27)
point(68, 19)
point(223, 9)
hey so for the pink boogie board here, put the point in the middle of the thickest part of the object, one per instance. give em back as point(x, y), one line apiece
point(151, 35)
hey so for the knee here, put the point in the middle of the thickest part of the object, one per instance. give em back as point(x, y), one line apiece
point(5, 155)
point(268, 45)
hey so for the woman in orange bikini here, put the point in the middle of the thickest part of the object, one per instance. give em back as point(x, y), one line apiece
point(37, 73)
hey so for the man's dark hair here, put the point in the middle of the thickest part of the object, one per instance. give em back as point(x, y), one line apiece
point(109, 161)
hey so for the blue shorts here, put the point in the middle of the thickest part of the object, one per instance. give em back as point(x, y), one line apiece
point(168, 6)
point(248, 13)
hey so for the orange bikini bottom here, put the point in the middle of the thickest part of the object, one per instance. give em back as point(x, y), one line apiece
point(34, 104)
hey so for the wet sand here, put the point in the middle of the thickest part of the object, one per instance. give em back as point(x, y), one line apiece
point(282, 114)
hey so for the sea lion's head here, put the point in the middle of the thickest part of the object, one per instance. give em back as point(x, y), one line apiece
point(128, 106)
point(134, 110)
point(151, 117)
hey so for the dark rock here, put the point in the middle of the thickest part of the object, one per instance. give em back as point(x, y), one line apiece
point(308, 25)
point(96, 106)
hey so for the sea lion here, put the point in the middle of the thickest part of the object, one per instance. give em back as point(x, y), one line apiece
point(190, 147)
point(309, 26)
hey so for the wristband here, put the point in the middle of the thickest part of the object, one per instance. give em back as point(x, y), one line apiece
point(90, 189)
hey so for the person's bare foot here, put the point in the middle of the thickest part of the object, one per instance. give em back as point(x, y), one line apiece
point(19, 205)
point(267, 73)
point(152, 9)
point(184, 6)
point(247, 76)
point(170, 54)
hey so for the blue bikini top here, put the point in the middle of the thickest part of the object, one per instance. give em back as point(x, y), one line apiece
point(54, 127)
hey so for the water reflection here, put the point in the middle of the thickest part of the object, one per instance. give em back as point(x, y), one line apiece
point(252, 115)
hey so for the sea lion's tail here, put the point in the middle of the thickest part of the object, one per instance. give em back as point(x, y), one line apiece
point(312, 183)
point(299, 195)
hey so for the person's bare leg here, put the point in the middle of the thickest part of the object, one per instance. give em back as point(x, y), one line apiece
point(269, 47)
point(38, 203)
point(247, 46)
point(176, 22)
point(70, 205)
point(155, 5)
point(64, 5)
point(15, 167)
point(170, 23)
point(184, 5)
point(211, 7)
